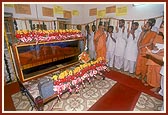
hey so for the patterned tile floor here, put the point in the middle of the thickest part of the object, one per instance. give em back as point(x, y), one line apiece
point(86, 98)
point(81, 101)
point(148, 103)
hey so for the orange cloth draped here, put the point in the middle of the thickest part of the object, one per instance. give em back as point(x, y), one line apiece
point(141, 67)
point(100, 44)
point(153, 75)
point(153, 72)
point(158, 39)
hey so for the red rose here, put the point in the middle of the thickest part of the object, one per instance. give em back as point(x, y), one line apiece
point(18, 36)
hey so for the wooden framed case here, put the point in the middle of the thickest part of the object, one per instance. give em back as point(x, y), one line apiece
point(36, 60)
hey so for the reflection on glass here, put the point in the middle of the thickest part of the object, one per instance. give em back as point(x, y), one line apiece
point(41, 58)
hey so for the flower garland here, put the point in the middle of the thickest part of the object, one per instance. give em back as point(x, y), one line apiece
point(76, 77)
point(47, 35)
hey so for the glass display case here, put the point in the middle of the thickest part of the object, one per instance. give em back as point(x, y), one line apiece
point(36, 60)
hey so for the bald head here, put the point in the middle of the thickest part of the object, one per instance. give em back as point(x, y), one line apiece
point(101, 27)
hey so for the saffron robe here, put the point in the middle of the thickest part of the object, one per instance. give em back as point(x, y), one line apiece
point(100, 44)
point(144, 41)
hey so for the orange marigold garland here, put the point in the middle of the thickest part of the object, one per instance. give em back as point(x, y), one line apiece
point(74, 78)
point(37, 36)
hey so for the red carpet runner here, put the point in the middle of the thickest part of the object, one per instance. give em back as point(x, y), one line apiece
point(123, 95)
point(131, 82)
point(118, 98)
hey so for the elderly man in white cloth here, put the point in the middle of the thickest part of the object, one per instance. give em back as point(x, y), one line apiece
point(131, 50)
point(121, 37)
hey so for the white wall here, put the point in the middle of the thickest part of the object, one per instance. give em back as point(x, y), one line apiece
point(15, 15)
point(69, 7)
point(38, 14)
point(134, 12)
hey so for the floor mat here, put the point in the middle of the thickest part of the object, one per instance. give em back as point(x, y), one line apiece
point(118, 98)
point(131, 82)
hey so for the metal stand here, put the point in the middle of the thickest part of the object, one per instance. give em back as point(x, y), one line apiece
point(37, 103)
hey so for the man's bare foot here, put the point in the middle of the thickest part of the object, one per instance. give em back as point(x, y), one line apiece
point(156, 93)
point(143, 81)
point(155, 89)
point(146, 84)
point(132, 75)
point(137, 77)
point(108, 69)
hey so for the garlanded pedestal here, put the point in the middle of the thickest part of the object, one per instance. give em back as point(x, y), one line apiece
point(70, 79)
